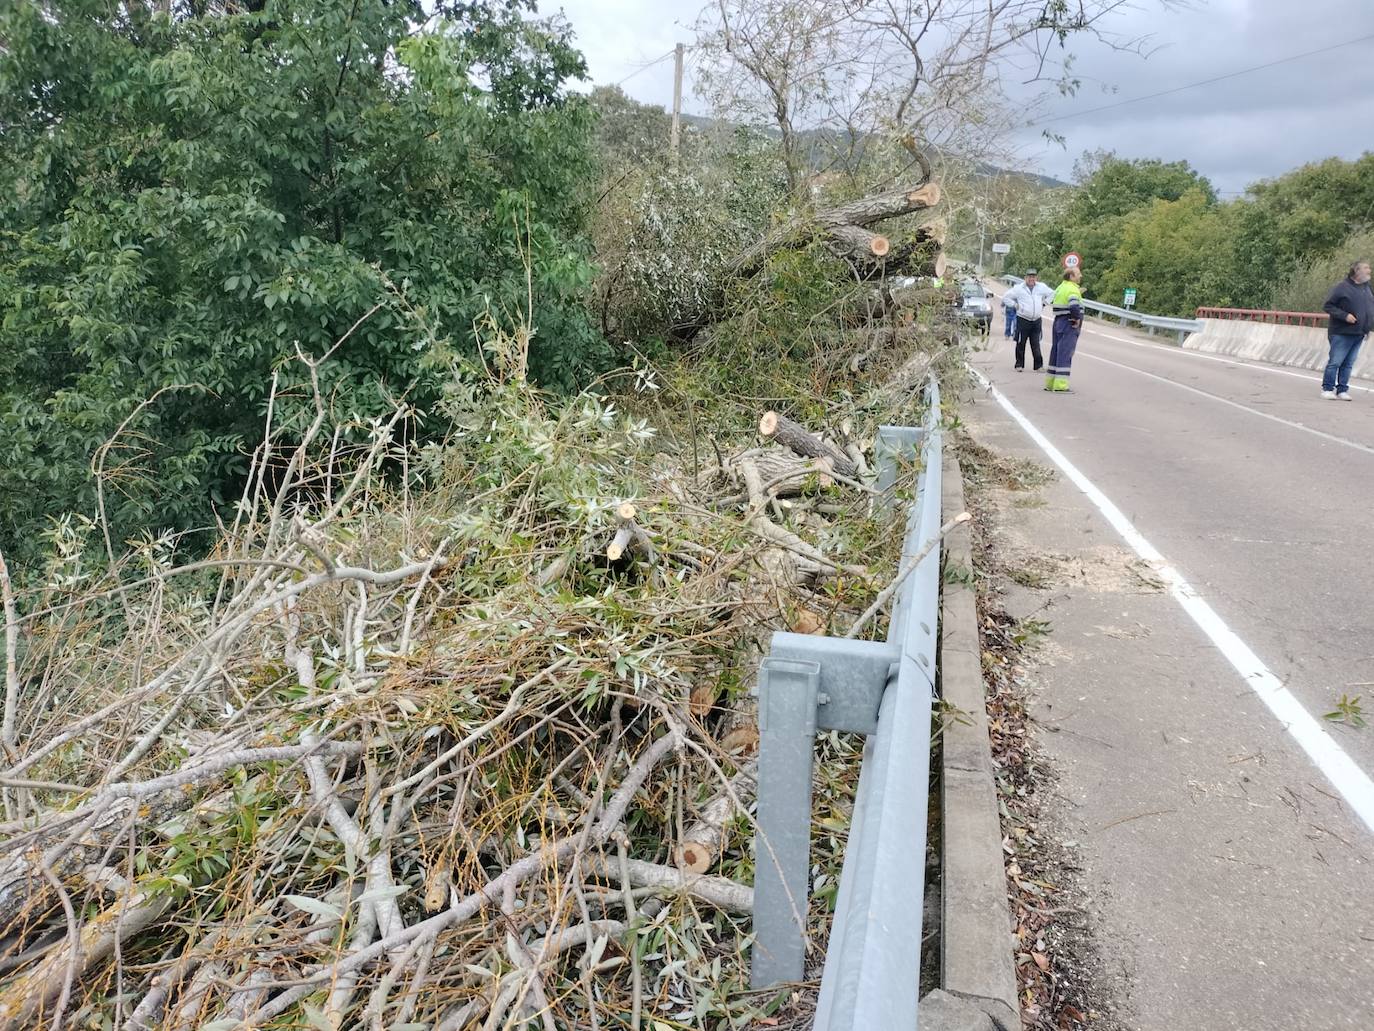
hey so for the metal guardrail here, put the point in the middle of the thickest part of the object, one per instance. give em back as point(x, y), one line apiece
point(1313, 319)
point(1150, 323)
point(886, 691)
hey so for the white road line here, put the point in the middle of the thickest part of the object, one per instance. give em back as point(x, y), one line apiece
point(1345, 776)
point(1310, 375)
point(1236, 404)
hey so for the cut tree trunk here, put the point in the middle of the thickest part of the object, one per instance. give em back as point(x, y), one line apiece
point(846, 229)
point(858, 243)
point(701, 844)
point(798, 438)
point(874, 208)
point(630, 535)
point(856, 214)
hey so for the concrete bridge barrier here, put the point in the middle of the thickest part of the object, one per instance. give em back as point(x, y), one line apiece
point(1296, 339)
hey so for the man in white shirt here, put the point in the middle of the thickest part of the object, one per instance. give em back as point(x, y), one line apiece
point(1030, 298)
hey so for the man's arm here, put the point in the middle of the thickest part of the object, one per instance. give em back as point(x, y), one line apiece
point(1333, 306)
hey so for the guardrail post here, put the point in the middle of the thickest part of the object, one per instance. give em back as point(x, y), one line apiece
point(788, 696)
point(884, 691)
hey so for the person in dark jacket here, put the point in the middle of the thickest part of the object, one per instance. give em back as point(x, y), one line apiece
point(1351, 307)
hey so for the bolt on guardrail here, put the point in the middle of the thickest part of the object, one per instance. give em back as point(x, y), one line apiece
point(884, 690)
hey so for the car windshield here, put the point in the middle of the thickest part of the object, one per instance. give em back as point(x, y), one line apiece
point(973, 290)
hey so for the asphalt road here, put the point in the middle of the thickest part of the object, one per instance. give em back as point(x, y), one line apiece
point(1228, 875)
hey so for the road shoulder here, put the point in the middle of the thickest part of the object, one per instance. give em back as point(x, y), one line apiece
point(1214, 873)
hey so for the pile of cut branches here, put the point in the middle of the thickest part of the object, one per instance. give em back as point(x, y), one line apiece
point(443, 737)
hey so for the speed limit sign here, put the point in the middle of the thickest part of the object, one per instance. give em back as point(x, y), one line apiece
point(1071, 260)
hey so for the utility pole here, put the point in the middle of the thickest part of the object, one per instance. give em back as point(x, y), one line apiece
point(677, 105)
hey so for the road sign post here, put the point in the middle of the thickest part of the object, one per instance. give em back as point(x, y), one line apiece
point(1071, 260)
point(1001, 248)
point(1128, 301)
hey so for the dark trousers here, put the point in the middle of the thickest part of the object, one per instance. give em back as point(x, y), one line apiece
point(1028, 332)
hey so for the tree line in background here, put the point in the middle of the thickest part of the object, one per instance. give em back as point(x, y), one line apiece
point(1160, 228)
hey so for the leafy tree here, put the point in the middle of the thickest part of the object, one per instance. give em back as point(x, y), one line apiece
point(1093, 218)
point(1109, 185)
point(1176, 254)
point(629, 134)
point(1308, 214)
point(1306, 289)
point(1276, 245)
point(189, 197)
point(664, 237)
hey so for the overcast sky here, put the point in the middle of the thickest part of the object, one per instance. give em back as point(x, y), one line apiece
point(1252, 126)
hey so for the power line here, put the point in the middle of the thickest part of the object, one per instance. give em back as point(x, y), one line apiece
point(645, 68)
point(1204, 82)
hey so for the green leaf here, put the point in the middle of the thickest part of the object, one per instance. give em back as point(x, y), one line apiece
point(378, 894)
point(315, 907)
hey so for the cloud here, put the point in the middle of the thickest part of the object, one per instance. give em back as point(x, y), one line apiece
point(1235, 131)
point(622, 40)
point(1245, 127)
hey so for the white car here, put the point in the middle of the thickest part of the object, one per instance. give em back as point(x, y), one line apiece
point(975, 304)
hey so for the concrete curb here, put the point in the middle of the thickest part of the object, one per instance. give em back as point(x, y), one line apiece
point(977, 944)
point(941, 1011)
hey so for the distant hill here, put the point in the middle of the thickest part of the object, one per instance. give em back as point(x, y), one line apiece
point(823, 142)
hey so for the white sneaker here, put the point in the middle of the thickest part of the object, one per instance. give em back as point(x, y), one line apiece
point(1344, 397)
point(1329, 395)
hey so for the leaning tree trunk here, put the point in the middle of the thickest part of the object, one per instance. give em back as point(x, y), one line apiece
point(838, 222)
point(847, 230)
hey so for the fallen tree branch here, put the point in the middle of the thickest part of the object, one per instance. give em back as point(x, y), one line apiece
point(464, 909)
point(792, 435)
point(701, 843)
point(885, 595)
point(720, 892)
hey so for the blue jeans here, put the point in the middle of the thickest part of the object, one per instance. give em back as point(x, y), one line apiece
point(1011, 320)
point(1345, 348)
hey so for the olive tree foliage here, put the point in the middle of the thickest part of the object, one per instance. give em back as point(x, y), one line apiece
point(665, 231)
point(860, 81)
point(193, 194)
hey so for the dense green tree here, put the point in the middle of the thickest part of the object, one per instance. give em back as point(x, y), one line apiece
point(1288, 222)
point(188, 197)
point(1109, 185)
point(1307, 287)
point(1177, 255)
point(1158, 227)
point(629, 134)
point(1090, 218)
